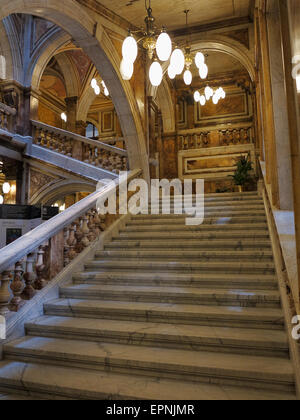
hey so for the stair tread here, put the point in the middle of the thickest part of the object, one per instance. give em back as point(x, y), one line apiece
point(271, 314)
point(85, 384)
point(187, 333)
point(201, 254)
point(254, 367)
point(263, 295)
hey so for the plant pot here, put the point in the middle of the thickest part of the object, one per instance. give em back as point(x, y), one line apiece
point(241, 189)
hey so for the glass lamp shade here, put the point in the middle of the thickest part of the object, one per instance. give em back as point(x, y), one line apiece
point(130, 49)
point(6, 188)
point(155, 74)
point(171, 72)
point(1, 199)
point(215, 99)
point(106, 92)
point(64, 117)
point(163, 47)
point(126, 69)
point(199, 59)
point(203, 71)
point(178, 60)
point(202, 100)
point(97, 90)
point(94, 83)
point(223, 94)
point(197, 96)
point(187, 77)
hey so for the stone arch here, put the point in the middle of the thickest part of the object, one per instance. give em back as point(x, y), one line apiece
point(57, 190)
point(89, 34)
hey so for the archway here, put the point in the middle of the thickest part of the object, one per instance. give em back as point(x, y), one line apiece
point(52, 192)
point(89, 34)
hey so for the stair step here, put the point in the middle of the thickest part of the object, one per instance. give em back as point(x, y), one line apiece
point(232, 297)
point(188, 337)
point(266, 318)
point(243, 234)
point(219, 368)
point(249, 281)
point(73, 383)
point(209, 213)
point(187, 254)
point(180, 220)
point(242, 244)
point(187, 266)
point(261, 227)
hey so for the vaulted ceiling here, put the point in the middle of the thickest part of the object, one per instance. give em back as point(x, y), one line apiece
point(170, 12)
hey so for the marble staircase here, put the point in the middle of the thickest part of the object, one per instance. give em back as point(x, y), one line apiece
point(164, 311)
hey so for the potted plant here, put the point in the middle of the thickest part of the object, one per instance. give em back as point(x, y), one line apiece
point(242, 172)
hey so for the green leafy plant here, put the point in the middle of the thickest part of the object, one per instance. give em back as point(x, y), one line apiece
point(242, 172)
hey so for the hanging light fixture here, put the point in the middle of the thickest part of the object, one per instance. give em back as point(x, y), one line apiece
point(159, 48)
point(210, 93)
point(1, 199)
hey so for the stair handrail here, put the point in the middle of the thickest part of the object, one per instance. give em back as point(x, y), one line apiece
point(28, 243)
point(64, 133)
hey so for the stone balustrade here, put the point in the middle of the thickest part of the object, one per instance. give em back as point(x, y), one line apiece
point(216, 137)
point(7, 115)
point(29, 263)
point(73, 145)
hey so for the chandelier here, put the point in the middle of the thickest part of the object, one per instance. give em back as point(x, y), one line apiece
point(159, 48)
point(209, 93)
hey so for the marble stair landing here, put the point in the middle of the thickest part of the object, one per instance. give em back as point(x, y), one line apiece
point(164, 311)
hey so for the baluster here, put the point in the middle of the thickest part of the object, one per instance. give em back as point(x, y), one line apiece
point(72, 242)
point(39, 137)
point(79, 236)
point(97, 223)
point(86, 153)
point(85, 230)
point(29, 278)
point(66, 247)
point(4, 293)
point(17, 287)
point(91, 225)
point(69, 147)
point(40, 282)
point(43, 138)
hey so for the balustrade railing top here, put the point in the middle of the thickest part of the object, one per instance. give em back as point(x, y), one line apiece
point(89, 151)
